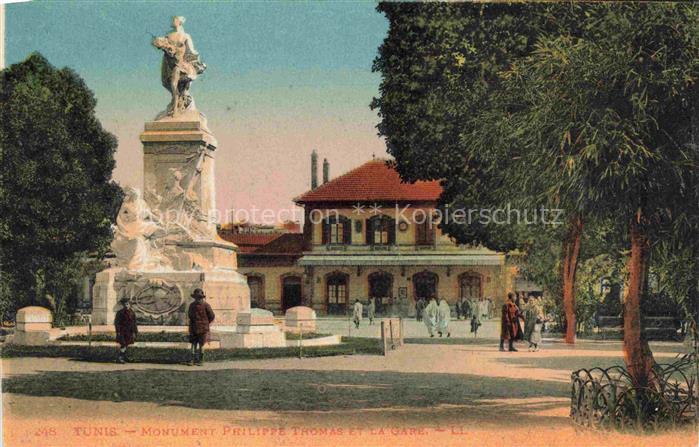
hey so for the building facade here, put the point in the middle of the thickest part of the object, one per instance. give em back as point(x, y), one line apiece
point(367, 234)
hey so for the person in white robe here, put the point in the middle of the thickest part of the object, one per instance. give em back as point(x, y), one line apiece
point(357, 313)
point(476, 319)
point(429, 316)
point(443, 318)
point(371, 311)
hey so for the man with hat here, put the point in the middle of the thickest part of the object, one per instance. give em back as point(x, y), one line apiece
point(126, 328)
point(200, 316)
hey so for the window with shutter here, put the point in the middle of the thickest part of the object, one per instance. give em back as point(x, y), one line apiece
point(337, 231)
point(424, 233)
point(381, 231)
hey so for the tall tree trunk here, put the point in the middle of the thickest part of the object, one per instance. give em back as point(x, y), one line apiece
point(637, 354)
point(571, 251)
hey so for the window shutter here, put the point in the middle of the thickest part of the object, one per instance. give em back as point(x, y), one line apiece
point(347, 231)
point(391, 223)
point(326, 232)
point(369, 232)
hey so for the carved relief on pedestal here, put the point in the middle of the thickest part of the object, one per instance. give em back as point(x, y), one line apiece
point(155, 300)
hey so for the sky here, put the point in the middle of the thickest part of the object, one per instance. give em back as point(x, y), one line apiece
point(283, 78)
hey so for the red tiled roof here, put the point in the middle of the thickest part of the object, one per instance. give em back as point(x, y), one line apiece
point(249, 242)
point(374, 181)
point(285, 244)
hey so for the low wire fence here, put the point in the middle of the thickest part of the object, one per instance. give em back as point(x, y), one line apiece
point(606, 397)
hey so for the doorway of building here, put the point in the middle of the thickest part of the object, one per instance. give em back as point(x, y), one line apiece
point(291, 292)
point(337, 293)
point(425, 285)
point(381, 289)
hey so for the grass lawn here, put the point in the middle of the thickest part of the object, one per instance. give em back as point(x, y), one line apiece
point(349, 346)
point(306, 336)
point(162, 336)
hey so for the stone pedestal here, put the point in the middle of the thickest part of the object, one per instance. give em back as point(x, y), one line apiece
point(300, 319)
point(163, 297)
point(33, 326)
point(171, 234)
point(254, 329)
point(181, 147)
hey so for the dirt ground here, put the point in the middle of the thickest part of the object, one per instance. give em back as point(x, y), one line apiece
point(421, 394)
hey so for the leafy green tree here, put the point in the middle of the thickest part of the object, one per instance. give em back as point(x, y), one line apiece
point(57, 200)
point(615, 107)
point(585, 107)
point(442, 116)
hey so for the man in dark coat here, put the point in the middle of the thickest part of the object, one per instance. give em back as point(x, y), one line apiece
point(126, 328)
point(200, 316)
point(509, 323)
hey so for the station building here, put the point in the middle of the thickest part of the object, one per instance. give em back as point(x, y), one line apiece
point(367, 234)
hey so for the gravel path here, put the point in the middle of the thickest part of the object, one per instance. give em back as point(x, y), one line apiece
point(458, 394)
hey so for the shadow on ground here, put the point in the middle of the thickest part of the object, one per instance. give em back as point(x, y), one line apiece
point(452, 341)
point(417, 397)
point(567, 363)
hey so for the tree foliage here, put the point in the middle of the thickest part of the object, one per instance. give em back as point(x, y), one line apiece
point(57, 200)
point(585, 107)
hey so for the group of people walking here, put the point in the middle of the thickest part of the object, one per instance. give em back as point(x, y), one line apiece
point(531, 313)
point(358, 312)
point(476, 310)
point(199, 314)
point(522, 318)
point(436, 317)
point(469, 307)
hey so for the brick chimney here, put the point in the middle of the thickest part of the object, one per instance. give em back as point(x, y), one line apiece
point(314, 169)
point(326, 170)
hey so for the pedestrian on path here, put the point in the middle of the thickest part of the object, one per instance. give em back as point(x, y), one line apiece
point(371, 311)
point(126, 328)
point(476, 316)
point(443, 318)
point(508, 323)
point(465, 308)
point(536, 313)
point(200, 317)
point(357, 313)
point(420, 309)
point(430, 316)
point(520, 301)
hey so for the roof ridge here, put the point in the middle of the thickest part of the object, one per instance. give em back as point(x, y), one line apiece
point(336, 179)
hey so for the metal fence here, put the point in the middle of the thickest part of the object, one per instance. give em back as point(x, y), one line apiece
point(606, 398)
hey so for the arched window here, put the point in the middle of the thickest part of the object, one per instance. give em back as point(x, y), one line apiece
point(381, 230)
point(337, 230)
point(470, 285)
point(337, 292)
point(257, 290)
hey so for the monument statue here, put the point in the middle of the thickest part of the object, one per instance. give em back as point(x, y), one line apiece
point(181, 65)
point(165, 242)
point(136, 235)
